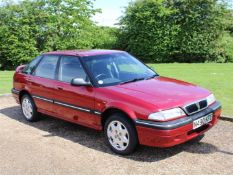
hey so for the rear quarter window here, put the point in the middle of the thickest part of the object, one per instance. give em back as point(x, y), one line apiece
point(29, 68)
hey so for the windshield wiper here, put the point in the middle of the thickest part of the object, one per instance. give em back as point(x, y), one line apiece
point(133, 80)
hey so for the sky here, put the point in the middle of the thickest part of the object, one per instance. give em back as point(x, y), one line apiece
point(111, 11)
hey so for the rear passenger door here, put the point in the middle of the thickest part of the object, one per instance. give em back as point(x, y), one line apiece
point(74, 103)
point(42, 83)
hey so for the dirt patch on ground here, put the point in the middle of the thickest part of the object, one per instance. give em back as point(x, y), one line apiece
point(52, 146)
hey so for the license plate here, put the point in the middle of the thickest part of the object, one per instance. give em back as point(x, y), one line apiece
point(201, 121)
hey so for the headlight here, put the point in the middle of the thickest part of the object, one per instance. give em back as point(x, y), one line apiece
point(210, 99)
point(167, 114)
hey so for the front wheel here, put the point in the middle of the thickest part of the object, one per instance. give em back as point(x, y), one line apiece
point(120, 134)
point(29, 108)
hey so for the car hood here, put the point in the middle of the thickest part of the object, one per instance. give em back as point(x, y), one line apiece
point(162, 92)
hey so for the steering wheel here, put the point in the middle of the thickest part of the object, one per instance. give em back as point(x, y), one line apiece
point(101, 75)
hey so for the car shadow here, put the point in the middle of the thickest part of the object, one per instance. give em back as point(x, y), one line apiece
point(95, 140)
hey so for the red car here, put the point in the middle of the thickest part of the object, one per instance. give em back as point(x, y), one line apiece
point(112, 91)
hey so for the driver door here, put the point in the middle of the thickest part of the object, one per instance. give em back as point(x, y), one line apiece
point(74, 103)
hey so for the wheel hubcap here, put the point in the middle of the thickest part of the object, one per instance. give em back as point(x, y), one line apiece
point(118, 135)
point(27, 108)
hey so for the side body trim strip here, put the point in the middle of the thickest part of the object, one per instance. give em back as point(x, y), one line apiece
point(97, 113)
point(42, 98)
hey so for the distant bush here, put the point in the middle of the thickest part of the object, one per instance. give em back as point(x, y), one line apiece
point(105, 37)
point(173, 31)
point(226, 47)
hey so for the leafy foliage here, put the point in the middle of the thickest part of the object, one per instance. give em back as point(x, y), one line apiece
point(153, 30)
point(173, 30)
point(226, 48)
point(105, 37)
point(34, 26)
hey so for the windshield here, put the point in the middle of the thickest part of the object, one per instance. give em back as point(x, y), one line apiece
point(117, 68)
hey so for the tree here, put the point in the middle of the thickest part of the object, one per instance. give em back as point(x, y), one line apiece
point(201, 25)
point(29, 27)
point(172, 30)
point(105, 37)
point(146, 30)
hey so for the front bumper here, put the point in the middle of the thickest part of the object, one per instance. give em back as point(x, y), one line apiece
point(167, 134)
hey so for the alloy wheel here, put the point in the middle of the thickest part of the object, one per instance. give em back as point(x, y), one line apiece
point(27, 108)
point(118, 135)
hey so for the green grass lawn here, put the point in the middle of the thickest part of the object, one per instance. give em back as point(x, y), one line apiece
point(6, 81)
point(218, 78)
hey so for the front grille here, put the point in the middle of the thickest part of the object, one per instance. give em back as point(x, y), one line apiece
point(195, 107)
point(203, 104)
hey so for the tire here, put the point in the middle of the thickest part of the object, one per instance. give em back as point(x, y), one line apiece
point(120, 134)
point(29, 108)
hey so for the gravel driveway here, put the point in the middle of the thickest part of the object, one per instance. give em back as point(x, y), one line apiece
point(52, 146)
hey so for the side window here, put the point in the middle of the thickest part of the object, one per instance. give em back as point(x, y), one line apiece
point(70, 67)
point(28, 69)
point(47, 67)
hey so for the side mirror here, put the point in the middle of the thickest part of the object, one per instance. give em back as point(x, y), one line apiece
point(80, 82)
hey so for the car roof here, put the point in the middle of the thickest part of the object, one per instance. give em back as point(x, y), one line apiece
point(83, 53)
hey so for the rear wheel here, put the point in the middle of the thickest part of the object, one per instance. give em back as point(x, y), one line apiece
point(120, 134)
point(29, 108)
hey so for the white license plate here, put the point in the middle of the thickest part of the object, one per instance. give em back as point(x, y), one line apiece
point(201, 121)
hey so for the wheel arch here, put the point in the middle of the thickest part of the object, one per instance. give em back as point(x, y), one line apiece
point(130, 115)
point(22, 93)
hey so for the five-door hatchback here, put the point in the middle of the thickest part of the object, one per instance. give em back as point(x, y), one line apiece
point(112, 91)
